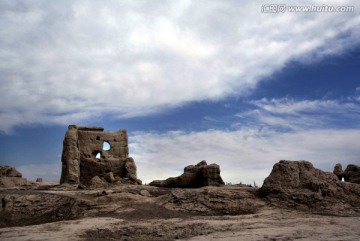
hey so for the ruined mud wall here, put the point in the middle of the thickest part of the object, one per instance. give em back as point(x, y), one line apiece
point(84, 156)
point(91, 140)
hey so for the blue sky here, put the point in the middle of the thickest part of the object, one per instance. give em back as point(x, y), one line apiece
point(189, 80)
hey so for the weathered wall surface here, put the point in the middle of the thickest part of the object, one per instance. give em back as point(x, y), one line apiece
point(70, 157)
point(91, 143)
point(84, 157)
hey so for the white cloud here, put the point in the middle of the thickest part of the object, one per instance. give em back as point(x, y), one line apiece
point(245, 155)
point(83, 59)
point(303, 114)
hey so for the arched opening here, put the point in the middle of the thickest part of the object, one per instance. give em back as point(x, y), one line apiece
point(106, 146)
point(98, 155)
point(343, 179)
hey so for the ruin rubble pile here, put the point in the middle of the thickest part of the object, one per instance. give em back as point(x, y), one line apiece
point(198, 175)
point(10, 177)
point(351, 173)
point(84, 157)
point(297, 184)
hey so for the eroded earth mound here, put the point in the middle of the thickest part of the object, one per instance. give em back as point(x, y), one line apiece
point(351, 173)
point(10, 177)
point(21, 208)
point(299, 185)
point(194, 176)
point(129, 202)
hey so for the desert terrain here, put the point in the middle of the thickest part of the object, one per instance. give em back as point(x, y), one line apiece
point(140, 212)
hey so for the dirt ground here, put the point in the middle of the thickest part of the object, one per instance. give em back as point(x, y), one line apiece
point(268, 224)
point(149, 213)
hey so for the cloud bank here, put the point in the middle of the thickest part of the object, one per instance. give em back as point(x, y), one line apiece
point(79, 59)
point(297, 115)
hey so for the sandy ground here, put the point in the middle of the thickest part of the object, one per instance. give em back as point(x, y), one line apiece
point(267, 224)
point(150, 213)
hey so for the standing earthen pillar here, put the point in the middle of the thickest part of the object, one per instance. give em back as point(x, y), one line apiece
point(70, 157)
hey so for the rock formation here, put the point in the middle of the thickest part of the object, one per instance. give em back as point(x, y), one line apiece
point(351, 173)
point(10, 177)
point(85, 156)
point(199, 175)
point(338, 171)
point(298, 184)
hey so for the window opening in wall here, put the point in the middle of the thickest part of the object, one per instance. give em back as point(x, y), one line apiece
point(106, 146)
point(343, 179)
point(98, 156)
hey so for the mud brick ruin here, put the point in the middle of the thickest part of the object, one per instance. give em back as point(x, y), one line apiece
point(199, 175)
point(86, 157)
